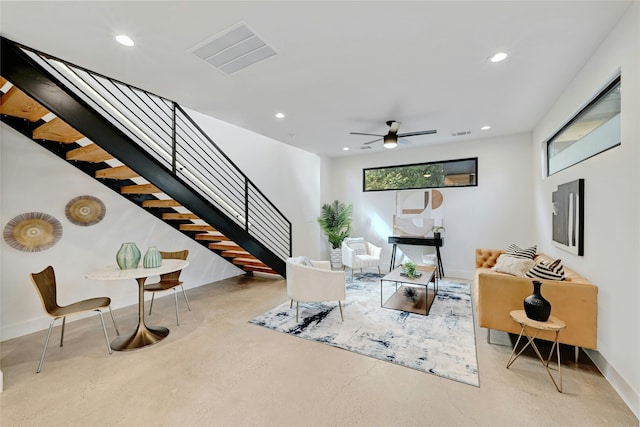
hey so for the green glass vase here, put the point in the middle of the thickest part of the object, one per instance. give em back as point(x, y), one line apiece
point(128, 257)
point(152, 259)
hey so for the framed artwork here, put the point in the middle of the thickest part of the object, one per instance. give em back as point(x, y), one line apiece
point(568, 216)
point(417, 211)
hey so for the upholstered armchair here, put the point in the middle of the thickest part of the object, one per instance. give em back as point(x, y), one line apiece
point(358, 253)
point(314, 281)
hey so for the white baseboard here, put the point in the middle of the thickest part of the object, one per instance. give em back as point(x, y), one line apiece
point(626, 392)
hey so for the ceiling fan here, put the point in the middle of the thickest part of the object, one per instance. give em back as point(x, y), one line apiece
point(390, 140)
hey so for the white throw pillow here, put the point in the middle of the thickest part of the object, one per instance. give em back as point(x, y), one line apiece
point(358, 245)
point(512, 265)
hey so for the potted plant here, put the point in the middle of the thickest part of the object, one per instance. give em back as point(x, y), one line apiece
point(335, 221)
point(409, 270)
point(436, 231)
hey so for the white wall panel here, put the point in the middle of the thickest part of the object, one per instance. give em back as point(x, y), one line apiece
point(612, 206)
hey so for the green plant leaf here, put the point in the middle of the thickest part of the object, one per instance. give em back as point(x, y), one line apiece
point(335, 221)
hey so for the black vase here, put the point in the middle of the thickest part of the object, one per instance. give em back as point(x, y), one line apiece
point(535, 306)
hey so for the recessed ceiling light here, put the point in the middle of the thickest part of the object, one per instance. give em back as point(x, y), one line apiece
point(280, 115)
point(485, 128)
point(124, 40)
point(500, 56)
point(345, 149)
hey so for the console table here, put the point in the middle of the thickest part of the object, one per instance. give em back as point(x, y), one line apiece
point(418, 241)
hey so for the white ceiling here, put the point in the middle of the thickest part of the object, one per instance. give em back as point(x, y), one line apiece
point(340, 66)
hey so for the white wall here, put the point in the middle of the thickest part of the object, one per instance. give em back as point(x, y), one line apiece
point(288, 176)
point(497, 212)
point(612, 206)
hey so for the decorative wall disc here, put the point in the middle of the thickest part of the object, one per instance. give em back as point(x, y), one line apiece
point(32, 232)
point(85, 210)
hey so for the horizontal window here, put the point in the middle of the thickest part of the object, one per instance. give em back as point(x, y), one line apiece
point(596, 128)
point(448, 173)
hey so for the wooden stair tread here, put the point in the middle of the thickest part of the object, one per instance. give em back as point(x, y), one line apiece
point(246, 261)
point(160, 203)
point(233, 254)
point(196, 227)
point(3, 81)
point(92, 153)
point(118, 172)
point(178, 216)
point(223, 246)
point(212, 236)
point(259, 269)
point(57, 130)
point(16, 103)
point(139, 189)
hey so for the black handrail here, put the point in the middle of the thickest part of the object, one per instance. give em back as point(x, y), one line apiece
point(170, 136)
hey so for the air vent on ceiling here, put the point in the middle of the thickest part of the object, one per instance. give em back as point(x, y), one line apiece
point(465, 132)
point(234, 49)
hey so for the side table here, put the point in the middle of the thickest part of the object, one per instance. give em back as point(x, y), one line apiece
point(552, 324)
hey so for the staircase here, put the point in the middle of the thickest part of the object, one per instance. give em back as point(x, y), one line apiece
point(223, 211)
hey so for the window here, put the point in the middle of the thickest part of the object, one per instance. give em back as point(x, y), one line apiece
point(448, 173)
point(595, 129)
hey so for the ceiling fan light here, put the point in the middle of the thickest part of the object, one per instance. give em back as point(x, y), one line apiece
point(390, 141)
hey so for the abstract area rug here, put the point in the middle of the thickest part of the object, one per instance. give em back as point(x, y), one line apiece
point(442, 343)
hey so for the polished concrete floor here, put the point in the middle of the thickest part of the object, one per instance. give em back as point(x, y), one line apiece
point(216, 369)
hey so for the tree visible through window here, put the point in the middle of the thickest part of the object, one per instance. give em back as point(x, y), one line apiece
point(450, 173)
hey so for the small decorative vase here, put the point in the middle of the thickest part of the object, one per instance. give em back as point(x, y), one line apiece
point(128, 256)
point(152, 258)
point(535, 306)
point(437, 235)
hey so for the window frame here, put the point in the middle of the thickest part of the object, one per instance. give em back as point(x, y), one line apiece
point(466, 159)
point(606, 90)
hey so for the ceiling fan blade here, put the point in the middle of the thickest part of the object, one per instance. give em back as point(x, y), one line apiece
point(404, 141)
point(423, 132)
point(363, 133)
point(371, 142)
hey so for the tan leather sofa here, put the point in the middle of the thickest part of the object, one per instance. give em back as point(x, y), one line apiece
point(574, 300)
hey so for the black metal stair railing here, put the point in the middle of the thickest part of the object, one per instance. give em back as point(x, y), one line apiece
point(167, 133)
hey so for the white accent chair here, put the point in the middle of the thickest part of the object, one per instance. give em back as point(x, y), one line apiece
point(314, 281)
point(358, 253)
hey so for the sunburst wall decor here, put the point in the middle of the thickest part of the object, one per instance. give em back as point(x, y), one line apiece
point(85, 210)
point(32, 232)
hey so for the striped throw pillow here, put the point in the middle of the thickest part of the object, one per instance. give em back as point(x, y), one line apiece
point(547, 270)
point(514, 251)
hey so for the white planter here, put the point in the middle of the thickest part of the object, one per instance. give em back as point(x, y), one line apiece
point(336, 258)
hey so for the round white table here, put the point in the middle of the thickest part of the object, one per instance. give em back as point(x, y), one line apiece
point(143, 335)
